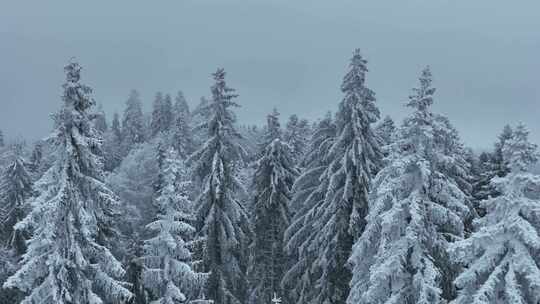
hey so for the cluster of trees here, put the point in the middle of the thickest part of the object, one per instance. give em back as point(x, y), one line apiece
point(189, 206)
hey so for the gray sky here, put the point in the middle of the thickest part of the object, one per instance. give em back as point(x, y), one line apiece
point(484, 56)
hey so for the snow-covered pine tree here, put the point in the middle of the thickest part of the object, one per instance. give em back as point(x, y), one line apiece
point(252, 141)
point(8, 266)
point(386, 130)
point(1, 139)
point(112, 152)
point(167, 113)
point(327, 231)
point(100, 120)
point(308, 194)
point(491, 165)
point(501, 256)
point(156, 123)
point(134, 180)
point(182, 136)
point(482, 188)
point(272, 131)
point(162, 114)
point(501, 163)
point(15, 188)
point(415, 211)
point(296, 135)
point(274, 176)
point(452, 163)
point(181, 105)
point(66, 260)
point(115, 126)
point(168, 274)
point(133, 123)
point(221, 218)
point(321, 139)
point(452, 153)
point(36, 157)
point(198, 118)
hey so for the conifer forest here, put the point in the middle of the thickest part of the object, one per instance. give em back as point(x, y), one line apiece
point(178, 200)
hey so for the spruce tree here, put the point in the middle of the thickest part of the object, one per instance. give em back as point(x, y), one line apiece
point(198, 118)
point(273, 130)
point(182, 135)
point(296, 135)
point(325, 233)
point(1, 139)
point(386, 130)
point(71, 217)
point(221, 218)
point(307, 195)
point(501, 256)
point(415, 211)
point(15, 188)
point(36, 158)
point(115, 126)
point(156, 123)
point(100, 120)
point(168, 113)
point(162, 114)
point(133, 124)
point(168, 273)
point(180, 104)
point(501, 164)
point(274, 176)
point(491, 164)
point(112, 145)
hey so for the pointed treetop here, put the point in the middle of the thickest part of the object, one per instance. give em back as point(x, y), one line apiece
point(422, 97)
point(73, 71)
point(220, 90)
point(158, 99)
point(75, 94)
point(116, 121)
point(357, 72)
point(181, 104)
point(133, 95)
point(519, 152)
point(274, 128)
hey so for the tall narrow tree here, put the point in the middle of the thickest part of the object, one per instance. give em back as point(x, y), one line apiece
point(297, 135)
point(386, 130)
point(156, 124)
point(182, 135)
point(133, 125)
point(168, 273)
point(326, 232)
point(112, 145)
point(36, 158)
point(220, 216)
point(272, 131)
point(162, 114)
point(100, 120)
point(501, 256)
point(274, 177)
point(15, 188)
point(491, 165)
point(66, 260)
point(308, 194)
point(415, 211)
point(168, 113)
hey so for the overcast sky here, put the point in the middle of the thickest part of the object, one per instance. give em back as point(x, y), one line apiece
point(484, 56)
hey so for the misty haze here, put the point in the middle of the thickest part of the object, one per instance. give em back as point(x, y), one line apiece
point(258, 152)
